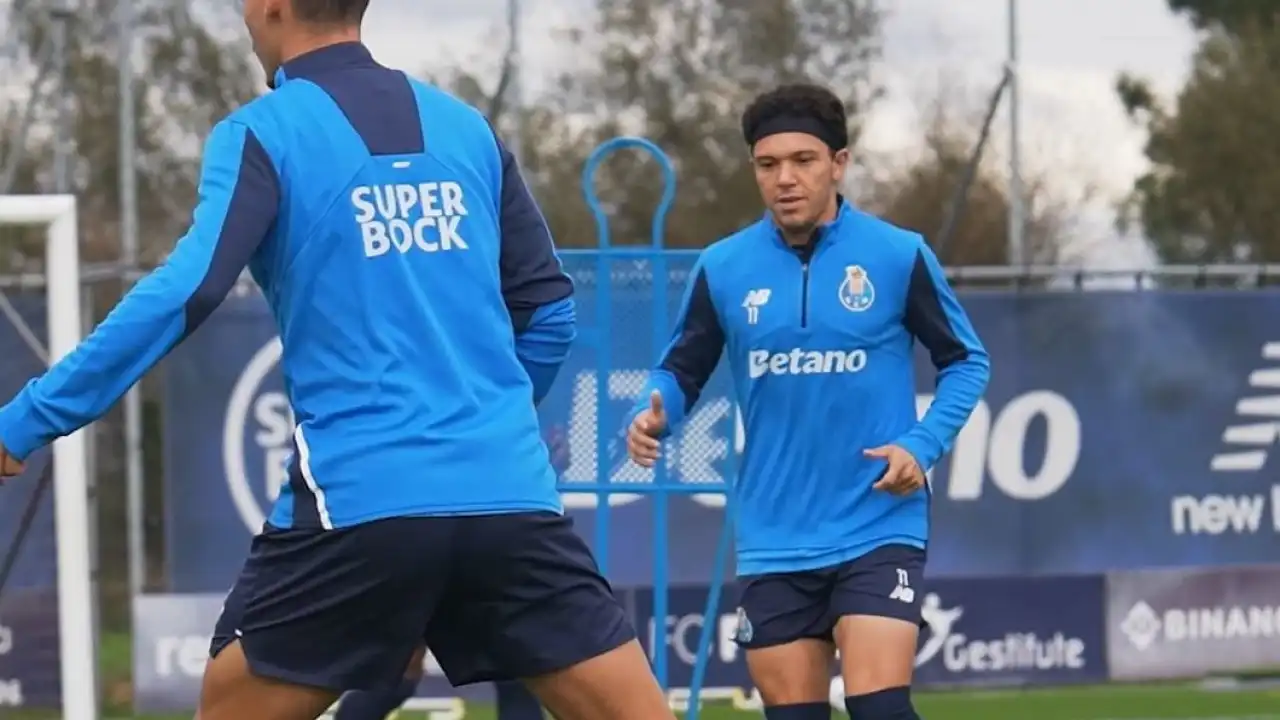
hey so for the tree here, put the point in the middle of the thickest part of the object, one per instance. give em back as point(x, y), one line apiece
point(1215, 157)
point(680, 72)
point(190, 73)
point(1206, 14)
point(920, 192)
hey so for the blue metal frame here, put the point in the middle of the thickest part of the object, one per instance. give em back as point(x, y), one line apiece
point(662, 488)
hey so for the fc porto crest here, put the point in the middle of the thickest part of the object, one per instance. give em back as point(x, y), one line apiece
point(856, 292)
point(744, 632)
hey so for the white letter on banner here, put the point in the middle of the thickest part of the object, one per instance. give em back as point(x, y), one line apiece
point(997, 446)
point(691, 458)
point(1061, 447)
point(968, 455)
point(701, 446)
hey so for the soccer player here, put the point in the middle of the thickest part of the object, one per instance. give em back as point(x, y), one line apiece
point(515, 702)
point(817, 307)
point(422, 312)
point(379, 703)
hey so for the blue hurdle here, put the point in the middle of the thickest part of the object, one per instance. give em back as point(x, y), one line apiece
point(661, 489)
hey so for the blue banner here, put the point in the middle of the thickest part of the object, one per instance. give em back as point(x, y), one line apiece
point(36, 564)
point(29, 654)
point(982, 632)
point(1121, 430)
point(1013, 631)
point(30, 671)
point(171, 639)
point(726, 674)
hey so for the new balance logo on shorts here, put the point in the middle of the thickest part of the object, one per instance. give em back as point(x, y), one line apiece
point(903, 592)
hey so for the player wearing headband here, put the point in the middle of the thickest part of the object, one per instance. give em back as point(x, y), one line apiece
point(817, 307)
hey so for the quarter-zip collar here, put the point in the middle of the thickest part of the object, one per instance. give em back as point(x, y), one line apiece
point(326, 59)
point(825, 231)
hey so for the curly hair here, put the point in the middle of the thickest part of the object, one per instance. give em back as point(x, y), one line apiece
point(330, 11)
point(798, 107)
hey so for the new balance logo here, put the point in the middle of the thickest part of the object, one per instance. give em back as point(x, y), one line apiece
point(755, 300)
point(903, 592)
point(1249, 442)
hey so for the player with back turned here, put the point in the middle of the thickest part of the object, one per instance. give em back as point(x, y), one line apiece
point(422, 312)
point(817, 308)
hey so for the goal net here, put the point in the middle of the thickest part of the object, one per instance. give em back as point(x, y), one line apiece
point(48, 657)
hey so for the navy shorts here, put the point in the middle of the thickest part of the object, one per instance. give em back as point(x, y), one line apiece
point(779, 608)
point(494, 597)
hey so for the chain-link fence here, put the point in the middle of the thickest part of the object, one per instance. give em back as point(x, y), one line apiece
point(622, 328)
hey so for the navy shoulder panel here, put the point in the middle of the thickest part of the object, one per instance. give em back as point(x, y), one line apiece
point(378, 102)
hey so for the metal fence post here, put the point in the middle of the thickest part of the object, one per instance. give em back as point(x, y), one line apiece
point(658, 267)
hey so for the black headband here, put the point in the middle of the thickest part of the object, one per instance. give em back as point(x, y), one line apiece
point(806, 124)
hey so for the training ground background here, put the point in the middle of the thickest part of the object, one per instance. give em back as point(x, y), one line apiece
point(1207, 700)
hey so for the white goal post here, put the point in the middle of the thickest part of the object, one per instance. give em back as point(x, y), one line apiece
point(76, 631)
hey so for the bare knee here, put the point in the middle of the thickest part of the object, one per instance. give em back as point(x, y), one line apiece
point(792, 674)
point(230, 691)
point(618, 684)
point(876, 653)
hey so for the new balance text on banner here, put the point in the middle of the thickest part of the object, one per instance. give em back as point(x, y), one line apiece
point(171, 647)
point(1092, 392)
point(1187, 623)
point(1013, 631)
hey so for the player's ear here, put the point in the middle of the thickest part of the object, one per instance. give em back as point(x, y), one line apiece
point(839, 164)
point(277, 10)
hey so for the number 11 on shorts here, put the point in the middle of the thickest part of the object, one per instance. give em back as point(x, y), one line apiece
point(903, 591)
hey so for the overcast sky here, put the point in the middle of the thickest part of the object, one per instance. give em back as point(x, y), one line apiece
point(1071, 52)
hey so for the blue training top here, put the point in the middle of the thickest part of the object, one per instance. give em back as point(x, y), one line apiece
point(421, 305)
point(820, 344)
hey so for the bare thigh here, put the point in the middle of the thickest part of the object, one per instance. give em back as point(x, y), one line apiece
point(793, 673)
point(230, 691)
point(618, 685)
point(876, 652)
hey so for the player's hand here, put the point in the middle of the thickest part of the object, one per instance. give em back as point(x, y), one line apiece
point(558, 447)
point(9, 465)
point(643, 444)
point(903, 476)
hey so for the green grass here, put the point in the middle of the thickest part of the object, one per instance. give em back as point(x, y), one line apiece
point(1109, 702)
point(1093, 703)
